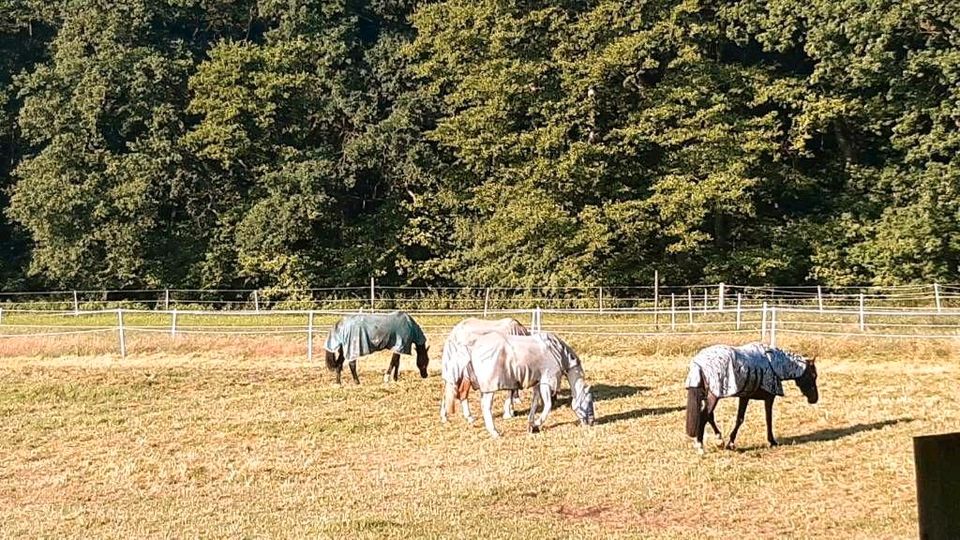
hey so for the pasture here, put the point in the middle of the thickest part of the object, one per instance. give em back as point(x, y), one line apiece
point(232, 440)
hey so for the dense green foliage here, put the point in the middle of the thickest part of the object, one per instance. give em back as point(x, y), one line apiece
point(212, 143)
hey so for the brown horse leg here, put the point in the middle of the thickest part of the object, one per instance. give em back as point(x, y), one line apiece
point(768, 409)
point(394, 367)
point(741, 414)
point(339, 364)
point(710, 404)
point(353, 371)
point(716, 430)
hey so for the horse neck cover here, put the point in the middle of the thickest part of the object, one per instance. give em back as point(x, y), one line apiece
point(360, 335)
point(730, 371)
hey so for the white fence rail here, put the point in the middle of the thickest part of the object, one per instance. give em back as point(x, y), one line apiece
point(762, 321)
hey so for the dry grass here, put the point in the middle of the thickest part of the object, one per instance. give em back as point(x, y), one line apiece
point(254, 445)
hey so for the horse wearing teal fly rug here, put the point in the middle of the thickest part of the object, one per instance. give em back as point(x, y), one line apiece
point(752, 371)
point(359, 335)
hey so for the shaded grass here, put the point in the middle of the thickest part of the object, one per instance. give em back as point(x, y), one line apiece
point(181, 446)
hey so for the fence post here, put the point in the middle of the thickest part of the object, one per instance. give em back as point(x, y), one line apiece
point(1, 315)
point(690, 304)
point(486, 302)
point(173, 324)
point(673, 311)
point(936, 295)
point(739, 302)
point(773, 326)
point(706, 299)
point(76, 303)
point(310, 337)
point(720, 299)
point(601, 299)
point(256, 301)
point(123, 343)
point(862, 318)
point(372, 292)
point(763, 323)
point(656, 299)
point(820, 298)
point(938, 484)
point(166, 299)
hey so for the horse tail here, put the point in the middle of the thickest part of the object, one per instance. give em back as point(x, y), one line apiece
point(694, 398)
point(331, 359)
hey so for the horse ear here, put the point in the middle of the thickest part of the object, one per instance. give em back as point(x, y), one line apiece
point(814, 359)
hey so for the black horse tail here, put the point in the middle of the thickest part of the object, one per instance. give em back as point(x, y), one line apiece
point(331, 358)
point(694, 398)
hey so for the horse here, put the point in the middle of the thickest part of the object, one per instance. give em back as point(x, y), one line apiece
point(749, 372)
point(456, 356)
point(359, 335)
point(501, 362)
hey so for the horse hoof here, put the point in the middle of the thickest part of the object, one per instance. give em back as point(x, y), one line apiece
point(508, 415)
point(533, 429)
point(774, 443)
point(721, 443)
point(700, 451)
point(730, 446)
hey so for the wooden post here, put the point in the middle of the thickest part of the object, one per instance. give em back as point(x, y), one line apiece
point(173, 323)
point(706, 299)
point(938, 485)
point(1, 315)
point(763, 322)
point(310, 337)
point(690, 304)
point(372, 293)
point(601, 299)
point(123, 342)
point(862, 317)
point(76, 303)
point(739, 302)
point(936, 295)
point(773, 326)
point(820, 298)
point(720, 298)
point(166, 299)
point(673, 311)
point(486, 302)
point(256, 301)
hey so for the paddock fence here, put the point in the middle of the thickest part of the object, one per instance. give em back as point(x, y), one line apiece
point(121, 322)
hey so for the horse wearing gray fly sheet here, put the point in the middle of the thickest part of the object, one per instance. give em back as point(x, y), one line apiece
point(456, 356)
point(499, 362)
point(749, 372)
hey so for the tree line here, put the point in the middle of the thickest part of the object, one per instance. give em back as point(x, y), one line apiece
point(297, 143)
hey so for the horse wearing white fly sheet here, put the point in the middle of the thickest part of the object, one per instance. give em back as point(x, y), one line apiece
point(499, 362)
point(456, 356)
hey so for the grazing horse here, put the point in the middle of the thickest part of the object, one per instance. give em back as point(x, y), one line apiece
point(456, 356)
point(359, 335)
point(499, 362)
point(752, 371)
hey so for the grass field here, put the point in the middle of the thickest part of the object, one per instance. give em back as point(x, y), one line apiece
point(190, 444)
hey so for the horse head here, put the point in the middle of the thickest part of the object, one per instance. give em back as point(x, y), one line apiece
point(808, 382)
point(422, 359)
point(583, 406)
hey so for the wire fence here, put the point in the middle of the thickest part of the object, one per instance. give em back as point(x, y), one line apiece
point(764, 320)
point(703, 297)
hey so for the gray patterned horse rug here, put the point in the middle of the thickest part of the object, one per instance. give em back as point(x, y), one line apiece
point(749, 372)
point(456, 356)
point(501, 362)
point(359, 335)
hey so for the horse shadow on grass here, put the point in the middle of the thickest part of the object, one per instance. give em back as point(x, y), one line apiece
point(603, 392)
point(833, 434)
point(637, 413)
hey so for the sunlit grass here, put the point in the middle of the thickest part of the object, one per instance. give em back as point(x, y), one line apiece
point(263, 445)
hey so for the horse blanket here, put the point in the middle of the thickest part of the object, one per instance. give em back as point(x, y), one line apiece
point(733, 371)
point(456, 350)
point(363, 334)
point(499, 362)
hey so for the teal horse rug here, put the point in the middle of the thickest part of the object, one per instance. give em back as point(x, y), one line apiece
point(363, 334)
